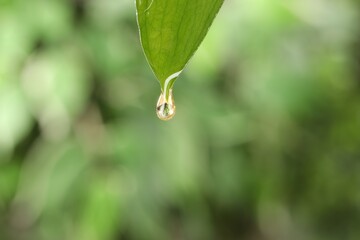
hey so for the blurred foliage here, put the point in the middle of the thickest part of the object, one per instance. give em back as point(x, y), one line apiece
point(265, 144)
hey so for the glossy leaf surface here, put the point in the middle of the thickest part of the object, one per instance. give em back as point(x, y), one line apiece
point(171, 31)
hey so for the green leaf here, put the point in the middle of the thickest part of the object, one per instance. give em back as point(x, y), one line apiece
point(171, 31)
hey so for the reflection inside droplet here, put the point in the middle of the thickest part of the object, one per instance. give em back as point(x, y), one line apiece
point(165, 108)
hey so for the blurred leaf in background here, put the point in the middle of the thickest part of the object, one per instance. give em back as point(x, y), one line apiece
point(265, 145)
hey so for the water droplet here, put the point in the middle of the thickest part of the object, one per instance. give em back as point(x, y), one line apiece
point(165, 108)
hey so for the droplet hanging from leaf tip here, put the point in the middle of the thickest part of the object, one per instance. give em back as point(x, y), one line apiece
point(170, 33)
point(165, 107)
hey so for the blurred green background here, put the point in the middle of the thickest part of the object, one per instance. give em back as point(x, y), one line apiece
point(265, 144)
